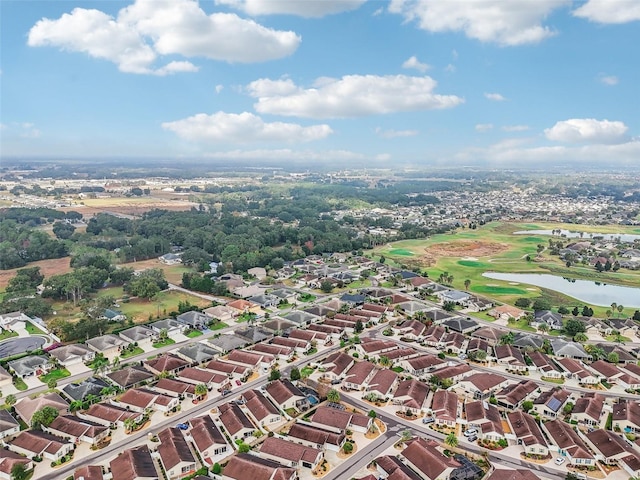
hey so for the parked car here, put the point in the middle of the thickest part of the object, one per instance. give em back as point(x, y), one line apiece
point(472, 438)
point(182, 426)
point(427, 420)
point(470, 432)
point(226, 392)
point(238, 383)
point(559, 460)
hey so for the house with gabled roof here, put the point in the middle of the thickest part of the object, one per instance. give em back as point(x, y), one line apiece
point(169, 363)
point(390, 466)
point(279, 352)
point(482, 385)
point(608, 371)
point(314, 436)
point(341, 419)
point(300, 346)
point(194, 319)
point(197, 353)
point(89, 472)
point(454, 342)
point(435, 336)
point(197, 376)
point(477, 345)
point(231, 370)
point(130, 377)
point(626, 416)
point(235, 421)
point(253, 334)
point(175, 388)
point(31, 366)
point(551, 402)
point(208, 440)
point(588, 410)
point(576, 369)
point(109, 415)
point(336, 365)
point(358, 375)
point(109, 345)
point(170, 325)
point(411, 396)
point(513, 395)
point(423, 457)
point(422, 365)
point(510, 357)
point(552, 319)
point(382, 383)
point(528, 340)
point(143, 336)
point(528, 433)
point(245, 466)
point(285, 394)
point(489, 334)
point(412, 329)
point(174, 454)
point(486, 418)
point(26, 407)
point(262, 411)
point(34, 443)
point(625, 327)
point(143, 400)
point(610, 448)
point(258, 362)
point(505, 312)
point(300, 318)
point(624, 356)
point(563, 349)
point(9, 426)
point(454, 373)
point(544, 365)
point(290, 454)
point(76, 430)
point(134, 464)
point(445, 407)
point(75, 354)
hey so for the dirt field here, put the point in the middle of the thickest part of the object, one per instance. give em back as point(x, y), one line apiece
point(130, 206)
point(47, 268)
point(460, 249)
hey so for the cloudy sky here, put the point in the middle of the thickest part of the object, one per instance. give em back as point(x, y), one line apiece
point(401, 81)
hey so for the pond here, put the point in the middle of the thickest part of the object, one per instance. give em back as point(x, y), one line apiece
point(584, 290)
point(623, 237)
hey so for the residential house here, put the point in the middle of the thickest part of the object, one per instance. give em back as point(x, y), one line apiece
point(506, 312)
point(488, 334)
point(9, 426)
point(435, 336)
point(14, 321)
point(486, 418)
point(382, 383)
point(546, 317)
point(625, 327)
point(194, 319)
point(550, 403)
point(197, 376)
point(74, 429)
point(301, 347)
point(626, 416)
point(235, 421)
point(593, 326)
point(290, 454)
point(26, 407)
point(576, 369)
point(197, 353)
point(528, 434)
point(130, 377)
point(279, 352)
point(208, 440)
point(144, 337)
point(34, 443)
point(610, 448)
point(9, 459)
point(109, 415)
point(606, 370)
point(169, 325)
point(444, 408)
point(245, 466)
point(624, 356)
point(220, 312)
point(423, 364)
point(481, 385)
point(358, 375)
point(300, 318)
point(563, 349)
point(264, 300)
point(231, 370)
point(258, 362)
point(253, 334)
point(264, 413)
point(75, 354)
point(336, 365)
point(477, 345)
point(513, 395)
point(175, 388)
point(134, 464)
point(241, 307)
point(310, 336)
point(287, 395)
point(228, 342)
point(461, 325)
point(170, 259)
point(91, 386)
point(343, 420)
point(174, 454)
point(454, 342)
point(588, 410)
point(510, 357)
point(306, 434)
point(168, 363)
point(143, 400)
point(109, 345)
point(412, 329)
point(31, 366)
point(392, 467)
point(528, 341)
point(501, 473)
point(453, 374)
point(89, 472)
point(455, 296)
point(410, 396)
point(113, 315)
point(424, 458)
point(544, 365)
point(6, 379)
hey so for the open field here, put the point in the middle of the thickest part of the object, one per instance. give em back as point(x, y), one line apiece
point(131, 205)
point(467, 254)
point(173, 273)
point(50, 267)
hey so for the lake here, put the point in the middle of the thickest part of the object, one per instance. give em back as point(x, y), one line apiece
point(624, 237)
point(584, 290)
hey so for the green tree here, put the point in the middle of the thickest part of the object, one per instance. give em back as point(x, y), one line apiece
point(43, 417)
point(620, 309)
point(384, 361)
point(580, 337)
point(347, 447)
point(294, 374)
point(527, 405)
point(274, 375)
point(543, 327)
point(10, 399)
point(568, 408)
point(467, 282)
point(507, 339)
point(406, 435)
point(326, 286)
point(333, 396)
point(19, 472)
point(372, 414)
point(358, 326)
point(523, 302)
point(243, 448)
point(129, 424)
point(201, 390)
point(613, 357)
point(573, 326)
point(216, 469)
point(52, 383)
point(541, 304)
point(451, 440)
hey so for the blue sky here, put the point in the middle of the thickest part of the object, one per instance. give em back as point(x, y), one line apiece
point(417, 82)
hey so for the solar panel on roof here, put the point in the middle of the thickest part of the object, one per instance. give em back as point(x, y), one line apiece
point(554, 404)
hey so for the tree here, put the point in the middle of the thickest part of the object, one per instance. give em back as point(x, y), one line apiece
point(19, 472)
point(100, 364)
point(507, 339)
point(573, 326)
point(575, 312)
point(129, 424)
point(523, 302)
point(620, 309)
point(449, 306)
point(274, 375)
point(527, 405)
point(358, 328)
point(216, 469)
point(295, 374)
point(613, 357)
point(372, 414)
point(43, 417)
point(562, 310)
point(568, 408)
point(406, 435)
point(201, 390)
point(384, 361)
point(243, 448)
point(326, 286)
point(333, 395)
point(580, 337)
point(541, 304)
point(52, 383)
point(543, 327)
point(451, 440)
point(63, 230)
point(10, 399)
point(467, 282)
point(347, 447)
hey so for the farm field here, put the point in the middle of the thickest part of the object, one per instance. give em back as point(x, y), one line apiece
point(467, 254)
point(131, 205)
point(54, 266)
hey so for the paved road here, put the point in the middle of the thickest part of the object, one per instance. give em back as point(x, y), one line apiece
point(16, 345)
point(139, 437)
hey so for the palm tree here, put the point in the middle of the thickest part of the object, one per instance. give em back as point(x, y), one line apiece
point(100, 364)
point(467, 282)
point(129, 424)
point(614, 306)
point(620, 309)
point(543, 327)
point(10, 399)
point(201, 390)
point(75, 405)
point(384, 361)
point(451, 440)
point(19, 472)
point(333, 396)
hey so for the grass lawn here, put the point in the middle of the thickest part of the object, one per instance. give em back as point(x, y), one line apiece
point(140, 310)
point(32, 329)
point(522, 325)
point(130, 353)
point(195, 333)
point(19, 384)
point(164, 343)
point(559, 381)
point(306, 371)
point(7, 334)
point(307, 297)
point(216, 326)
point(398, 369)
point(617, 338)
point(56, 374)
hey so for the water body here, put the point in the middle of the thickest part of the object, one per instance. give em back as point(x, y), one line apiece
point(624, 237)
point(14, 346)
point(584, 290)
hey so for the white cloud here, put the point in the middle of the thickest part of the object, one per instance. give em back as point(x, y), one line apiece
point(609, 11)
point(348, 97)
point(148, 29)
point(413, 62)
point(450, 68)
point(497, 21)
point(515, 128)
point(288, 155)
point(219, 88)
point(395, 133)
point(484, 127)
point(243, 128)
point(305, 8)
point(609, 80)
point(587, 130)
point(494, 97)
